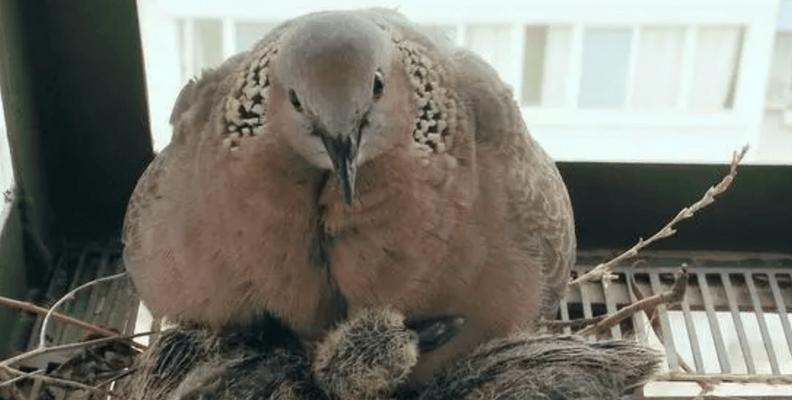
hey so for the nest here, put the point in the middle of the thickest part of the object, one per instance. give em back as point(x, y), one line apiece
point(367, 357)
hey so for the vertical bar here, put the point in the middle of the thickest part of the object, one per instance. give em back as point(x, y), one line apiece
point(518, 48)
point(735, 312)
point(753, 70)
point(58, 334)
point(586, 303)
point(757, 305)
point(635, 42)
point(665, 325)
point(461, 37)
point(103, 307)
point(690, 326)
point(584, 300)
point(229, 37)
point(52, 291)
point(85, 301)
point(144, 321)
point(35, 392)
point(117, 296)
point(717, 337)
point(783, 315)
point(611, 307)
point(188, 51)
point(565, 316)
point(575, 67)
point(131, 307)
point(636, 318)
point(688, 66)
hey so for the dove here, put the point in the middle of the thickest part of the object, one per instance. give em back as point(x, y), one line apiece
point(351, 160)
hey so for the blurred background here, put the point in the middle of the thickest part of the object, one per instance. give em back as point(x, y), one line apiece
point(610, 80)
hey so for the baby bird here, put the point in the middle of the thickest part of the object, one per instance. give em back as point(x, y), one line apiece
point(266, 361)
point(367, 357)
point(547, 368)
point(370, 356)
point(351, 160)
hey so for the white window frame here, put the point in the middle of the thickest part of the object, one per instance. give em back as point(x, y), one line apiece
point(569, 133)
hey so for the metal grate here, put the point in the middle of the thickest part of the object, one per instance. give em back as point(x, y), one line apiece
point(734, 318)
point(110, 304)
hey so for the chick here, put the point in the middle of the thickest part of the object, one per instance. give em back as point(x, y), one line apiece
point(369, 357)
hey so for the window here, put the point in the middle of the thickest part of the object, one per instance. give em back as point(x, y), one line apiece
point(605, 62)
point(248, 33)
point(586, 77)
point(779, 88)
point(715, 68)
point(201, 42)
point(546, 60)
point(658, 70)
point(494, 44)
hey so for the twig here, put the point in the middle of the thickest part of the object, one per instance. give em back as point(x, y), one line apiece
point(23, 375)
point(116, 377)
point(59, 381)
point(676, 294)
point(6, 365)
point(43, 334)
point(32, 308)
point(572, 323)
point(603, 270)
point(70, 346)
point(12, 391)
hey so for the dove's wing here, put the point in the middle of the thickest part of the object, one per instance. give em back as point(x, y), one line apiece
point(540, 214)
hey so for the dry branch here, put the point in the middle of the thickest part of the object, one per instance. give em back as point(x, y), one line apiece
point(65, 347)
point(675, 295)
point(604, 270)
point(16, 374)
point(58, 381)
point(18, 378)
point(32, 308)
point(573, 323)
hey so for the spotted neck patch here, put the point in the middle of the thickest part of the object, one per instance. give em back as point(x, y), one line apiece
point(246, 106)
point(437, 109)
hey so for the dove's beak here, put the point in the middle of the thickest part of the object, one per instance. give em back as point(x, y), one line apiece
point(342, 150)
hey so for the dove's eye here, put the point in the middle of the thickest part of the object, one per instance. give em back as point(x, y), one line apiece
point(294, 100)
point(379, 85)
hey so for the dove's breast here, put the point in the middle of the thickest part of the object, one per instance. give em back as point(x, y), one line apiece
point(413, 240)
point(228, 241)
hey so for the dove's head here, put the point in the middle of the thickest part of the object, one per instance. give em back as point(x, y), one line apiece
point(333, 73)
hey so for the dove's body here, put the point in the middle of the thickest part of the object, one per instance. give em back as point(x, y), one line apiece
point(456, 210)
